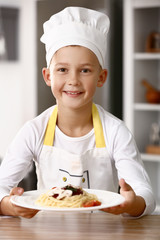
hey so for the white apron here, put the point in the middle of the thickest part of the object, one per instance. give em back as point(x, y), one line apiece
point(92, 169)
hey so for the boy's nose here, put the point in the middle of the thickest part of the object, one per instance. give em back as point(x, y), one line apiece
point(73, 78)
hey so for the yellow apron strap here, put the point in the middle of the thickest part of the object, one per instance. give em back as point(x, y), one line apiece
point(50, 130)
point(98, 130)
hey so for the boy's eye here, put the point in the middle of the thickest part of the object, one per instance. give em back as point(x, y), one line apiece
point(85, 70)
point(62, 69)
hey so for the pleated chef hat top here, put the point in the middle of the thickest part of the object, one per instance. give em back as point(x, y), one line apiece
point(76, 26)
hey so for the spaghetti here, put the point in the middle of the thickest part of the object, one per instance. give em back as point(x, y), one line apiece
point(67, 197)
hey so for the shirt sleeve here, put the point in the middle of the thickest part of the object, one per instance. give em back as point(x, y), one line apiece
point(18, 159)
point(130, 166)
point(25, 148)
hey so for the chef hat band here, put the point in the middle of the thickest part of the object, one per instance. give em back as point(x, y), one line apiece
point(76, 26)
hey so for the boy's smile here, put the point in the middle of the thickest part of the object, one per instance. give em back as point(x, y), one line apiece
point(73, 93)
point(73, 75)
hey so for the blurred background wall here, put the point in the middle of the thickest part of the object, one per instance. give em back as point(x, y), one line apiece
point(18, 84)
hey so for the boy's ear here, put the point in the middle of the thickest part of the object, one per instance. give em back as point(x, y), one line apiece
point(102, 78)
point(46, 76)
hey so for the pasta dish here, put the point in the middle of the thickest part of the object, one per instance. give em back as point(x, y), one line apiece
point(67, 197)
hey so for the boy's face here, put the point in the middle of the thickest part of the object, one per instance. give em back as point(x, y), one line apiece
point(73, 75)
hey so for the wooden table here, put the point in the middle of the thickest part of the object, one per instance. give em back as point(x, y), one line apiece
point(68, 226)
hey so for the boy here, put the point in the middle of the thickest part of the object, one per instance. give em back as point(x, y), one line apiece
point(76, 141)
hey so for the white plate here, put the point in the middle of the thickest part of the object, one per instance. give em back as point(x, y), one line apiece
point(108, 199)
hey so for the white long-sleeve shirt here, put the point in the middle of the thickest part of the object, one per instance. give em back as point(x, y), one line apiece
point(126, 161)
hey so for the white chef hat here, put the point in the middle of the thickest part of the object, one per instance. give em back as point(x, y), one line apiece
point(76, 26)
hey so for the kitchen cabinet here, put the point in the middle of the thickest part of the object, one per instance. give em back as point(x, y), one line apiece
point(142, 62)
point(9, 17)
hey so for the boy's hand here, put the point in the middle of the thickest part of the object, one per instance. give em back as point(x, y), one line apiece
point(133, 205)
point(8, 208)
